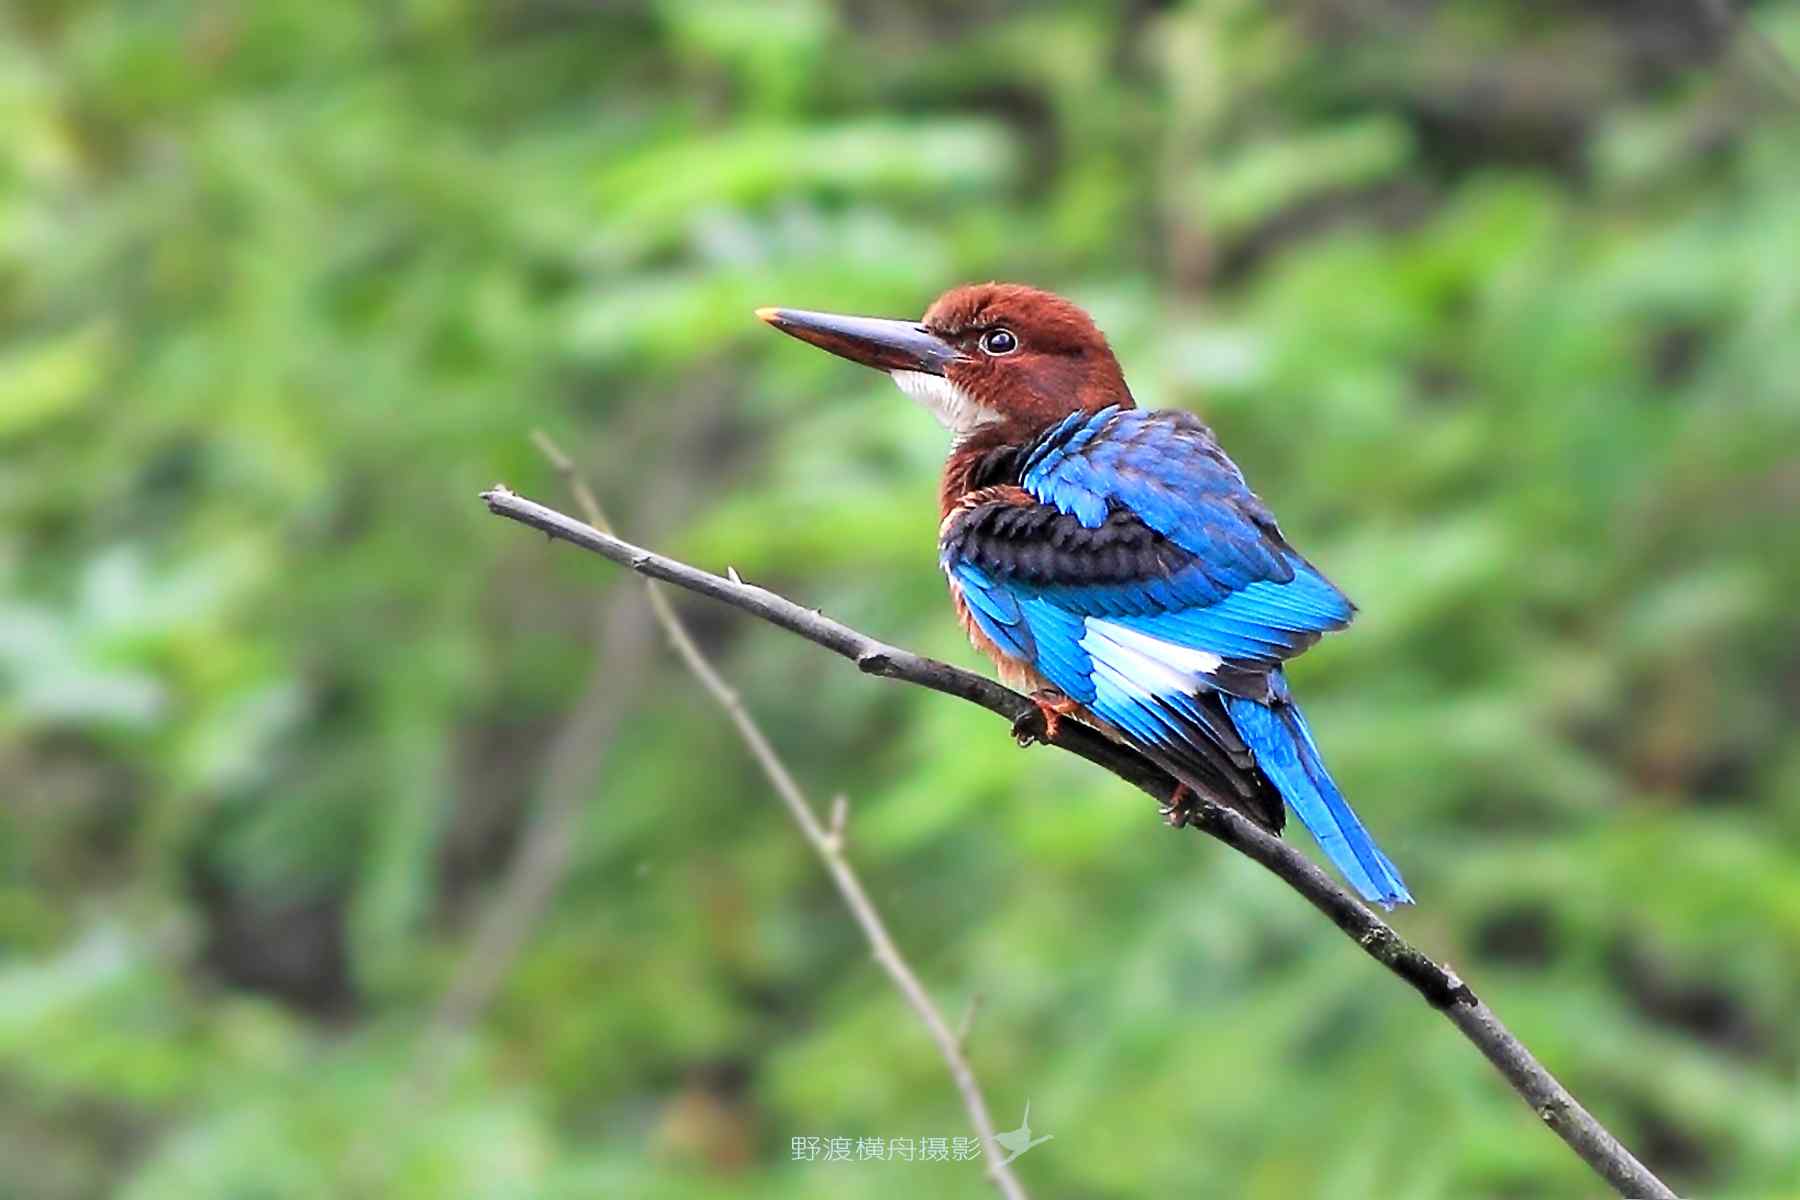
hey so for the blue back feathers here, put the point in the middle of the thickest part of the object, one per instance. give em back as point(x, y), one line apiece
point(1143, 578)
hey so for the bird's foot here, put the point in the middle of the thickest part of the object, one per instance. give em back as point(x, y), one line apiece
point(1044, 724)
point(1179, 811)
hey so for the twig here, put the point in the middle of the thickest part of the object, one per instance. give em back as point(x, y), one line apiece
point(840, 817)
point(826, 841)
point(967, 1025)
point(1440, 987)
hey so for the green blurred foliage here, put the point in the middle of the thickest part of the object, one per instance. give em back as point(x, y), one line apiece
point(1497, 303)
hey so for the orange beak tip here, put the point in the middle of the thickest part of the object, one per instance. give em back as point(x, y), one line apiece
point(769, 316)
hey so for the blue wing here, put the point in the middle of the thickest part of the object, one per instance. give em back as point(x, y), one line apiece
point(1139, 520)
point(1129, 563)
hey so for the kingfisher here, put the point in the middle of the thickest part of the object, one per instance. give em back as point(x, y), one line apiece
point(1112, 561)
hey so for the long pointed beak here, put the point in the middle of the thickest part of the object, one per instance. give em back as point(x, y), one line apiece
point(871, 341)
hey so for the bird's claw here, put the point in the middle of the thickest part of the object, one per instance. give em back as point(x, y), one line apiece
point(1045, 723)
point(1179, 811)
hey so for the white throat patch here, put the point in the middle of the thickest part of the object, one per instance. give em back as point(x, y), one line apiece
point(954, 408)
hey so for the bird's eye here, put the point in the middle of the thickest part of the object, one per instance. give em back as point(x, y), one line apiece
point(998, 341)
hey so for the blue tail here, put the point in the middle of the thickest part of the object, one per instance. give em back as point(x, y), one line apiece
point(1284, 749)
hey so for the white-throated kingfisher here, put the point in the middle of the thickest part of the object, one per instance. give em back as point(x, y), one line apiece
point(1113, 561)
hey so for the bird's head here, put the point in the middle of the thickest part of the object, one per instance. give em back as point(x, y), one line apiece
point(998, 360)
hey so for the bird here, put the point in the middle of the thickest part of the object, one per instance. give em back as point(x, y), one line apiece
point(1112, 561)
point(1017, 1141)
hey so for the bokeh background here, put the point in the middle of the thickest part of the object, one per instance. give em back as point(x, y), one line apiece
point(356, 843)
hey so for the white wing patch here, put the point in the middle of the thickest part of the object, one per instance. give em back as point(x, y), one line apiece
point(1143, 666)
point(954, 408)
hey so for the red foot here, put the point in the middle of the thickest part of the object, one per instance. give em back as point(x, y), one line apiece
point(1052, 707)
point(1180, 808)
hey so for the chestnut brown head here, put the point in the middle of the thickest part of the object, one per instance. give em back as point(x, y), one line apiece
point(994, 358)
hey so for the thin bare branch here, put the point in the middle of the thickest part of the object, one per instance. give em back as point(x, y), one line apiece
point(967, 1025)
point(1440, 986)
point(827, 842)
